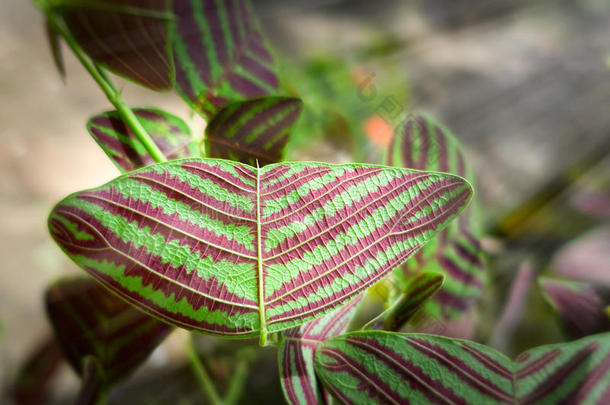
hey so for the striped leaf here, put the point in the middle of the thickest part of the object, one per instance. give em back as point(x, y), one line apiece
point(580, 306)
point(375, 367)
point(253, 130)
point(296, 354)
point(128, 37)
point(90, 321)
point(423, 144)
point(228, 249)
point(219, 54)
point(421, 288)
point(115, 137)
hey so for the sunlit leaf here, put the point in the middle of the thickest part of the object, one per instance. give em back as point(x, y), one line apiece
point(228, 249)
point(219, 53)
point(253, 131)
point(579, 305)
point(375, 367)
point(423, 286)
point(129, 37)
point(422, 143)
point(296, 354)
point(115, 137)
point(90, 321)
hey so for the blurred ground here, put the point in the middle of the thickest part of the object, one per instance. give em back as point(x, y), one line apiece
point(525, 86)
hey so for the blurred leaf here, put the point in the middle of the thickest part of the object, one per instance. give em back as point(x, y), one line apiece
point(32, 384)
point(296, 354)
point(514, 307)
point(253, 131)
point(220, 54)
point(93, 387)
point(421, 288)
point(90, 321)
point(188, 240)
point(586, 258)
point(128, 37)
point(55, 46)
point(121, 145)
point(375, 367)
point(579, 305)
point(424, 144)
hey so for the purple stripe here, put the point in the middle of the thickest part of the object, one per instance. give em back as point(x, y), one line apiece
point(488, 362)
point(191, 35)
point(549, 385)
point(581, 392)
point(244, 86)
point(443, 157)
point(460, 369)
point(536, 365)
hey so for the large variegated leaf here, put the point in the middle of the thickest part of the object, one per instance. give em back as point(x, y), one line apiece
point(253, 131)
point(219, 54)
point(90, 321)
point(129, 37)
point(115, 137)
point(423, 144)
point(374, 367)
point(296, 354)
point(228, 249)
point(580, 306)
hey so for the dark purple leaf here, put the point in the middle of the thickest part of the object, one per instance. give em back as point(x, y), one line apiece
point(90, 321)
point(253, 131)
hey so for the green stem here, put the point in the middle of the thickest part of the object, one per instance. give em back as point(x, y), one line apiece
point(204, 379)
point(107, 87)
point(237, 383)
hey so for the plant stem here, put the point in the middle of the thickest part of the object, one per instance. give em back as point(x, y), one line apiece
point(205, 382)
point(107, 87)
point(236, 385)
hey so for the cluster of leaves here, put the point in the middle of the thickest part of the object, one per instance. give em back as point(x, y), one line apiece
point(227, 240)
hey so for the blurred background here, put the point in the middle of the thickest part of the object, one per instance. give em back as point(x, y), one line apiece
point(524, 85)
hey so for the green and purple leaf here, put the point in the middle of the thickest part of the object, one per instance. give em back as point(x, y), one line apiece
point(115, 137)
point(296, 354)
point(375, 367)
point(128, 37)
point(580, 306)
point(253, 131)
point(228, 249)
point(423, 144)
point(421, 288)
point(219, 53)
point(90, 321)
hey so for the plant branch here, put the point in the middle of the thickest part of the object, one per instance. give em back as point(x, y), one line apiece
point(106, 85)
point(237, 382)
point(205, 382)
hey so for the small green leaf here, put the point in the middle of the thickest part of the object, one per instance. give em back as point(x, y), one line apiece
point(423, 286)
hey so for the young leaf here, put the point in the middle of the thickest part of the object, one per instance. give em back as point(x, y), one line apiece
point(424, 144)
point(253, 130)
point(423, 286)
point(228, 249)
point(579, 306)
point(128, 37)
point(219, 54)
point(114, 136)
point(375, 367)
point(90, 321)
point(296, 354)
